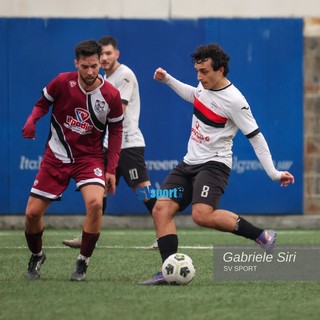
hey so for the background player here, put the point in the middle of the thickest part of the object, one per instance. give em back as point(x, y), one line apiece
point(82, 104)
point(219, 111)
point(131, 163)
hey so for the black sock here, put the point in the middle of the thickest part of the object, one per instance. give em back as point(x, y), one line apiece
point(246, 229)
point(168, 245)
point(150, 204)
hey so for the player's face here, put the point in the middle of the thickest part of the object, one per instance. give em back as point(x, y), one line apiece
point(109, 57)
point(88, 69)
point(209, 78)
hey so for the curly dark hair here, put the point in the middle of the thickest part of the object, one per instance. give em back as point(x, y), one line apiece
point(216, 53)
point(87, 48)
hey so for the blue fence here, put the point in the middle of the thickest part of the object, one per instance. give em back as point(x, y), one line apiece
point(266, 65)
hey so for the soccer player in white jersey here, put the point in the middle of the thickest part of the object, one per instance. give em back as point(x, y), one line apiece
point(131, 164)
point(219, 111)
point(84, 105)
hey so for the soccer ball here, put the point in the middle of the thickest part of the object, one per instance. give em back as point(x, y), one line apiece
point(178, 269)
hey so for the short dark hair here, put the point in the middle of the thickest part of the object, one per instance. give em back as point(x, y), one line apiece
point(216, 53)
point(87, 48)
point(106, 40)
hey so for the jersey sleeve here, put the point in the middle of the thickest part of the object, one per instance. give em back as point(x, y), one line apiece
point(116, 113)
point(185, 91)
point(240, 113)
point(51, 91)
point(126, 84)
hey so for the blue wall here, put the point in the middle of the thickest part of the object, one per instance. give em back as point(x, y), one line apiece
point(266, 65)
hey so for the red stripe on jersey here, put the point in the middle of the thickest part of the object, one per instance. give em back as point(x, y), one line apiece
point(208, 113)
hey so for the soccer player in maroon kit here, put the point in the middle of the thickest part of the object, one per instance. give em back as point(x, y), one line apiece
point(83, 107)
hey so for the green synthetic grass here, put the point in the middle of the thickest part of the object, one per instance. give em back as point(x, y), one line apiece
point(119, 262)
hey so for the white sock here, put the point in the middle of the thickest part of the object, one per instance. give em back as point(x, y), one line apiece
point(86, 259)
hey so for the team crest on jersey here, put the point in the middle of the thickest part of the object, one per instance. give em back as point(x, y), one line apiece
point(97, 172)
point(72, 83)
point(99, 106)
point(78, 123)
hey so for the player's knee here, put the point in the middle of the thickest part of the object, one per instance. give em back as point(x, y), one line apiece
point(157, 209)
point(200, 217)
point(163, 210)
point(94, 205)
point(32, 216)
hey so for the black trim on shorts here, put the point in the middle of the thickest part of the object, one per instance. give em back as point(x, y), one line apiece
point(34, 195)
point(89, 184)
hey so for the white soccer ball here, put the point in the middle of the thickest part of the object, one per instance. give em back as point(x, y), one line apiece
point(178, 269)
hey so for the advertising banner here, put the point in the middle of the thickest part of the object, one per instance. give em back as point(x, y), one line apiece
point(260, 67)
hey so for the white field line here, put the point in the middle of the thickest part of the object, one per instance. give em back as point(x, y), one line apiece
point(111, 247)
point(133, 232)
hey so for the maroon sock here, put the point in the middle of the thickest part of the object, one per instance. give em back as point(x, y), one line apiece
point(34, 241)
point(88, 244)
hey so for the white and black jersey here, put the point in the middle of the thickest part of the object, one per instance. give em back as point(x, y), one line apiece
point(217, 116)
point(126, 82)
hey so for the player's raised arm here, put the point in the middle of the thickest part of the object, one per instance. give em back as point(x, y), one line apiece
point(184, 90)
point(160, 74)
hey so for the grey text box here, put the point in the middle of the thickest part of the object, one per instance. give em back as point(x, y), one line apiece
point(251, 263)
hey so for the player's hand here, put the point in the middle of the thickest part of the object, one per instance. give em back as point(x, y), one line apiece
point(110, 183)
point(160, 74)
point(286, 179)
point(29, 129)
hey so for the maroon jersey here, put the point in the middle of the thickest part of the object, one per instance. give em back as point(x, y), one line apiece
point(79, 119)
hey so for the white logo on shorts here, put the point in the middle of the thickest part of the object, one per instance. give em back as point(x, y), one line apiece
point(97, 172)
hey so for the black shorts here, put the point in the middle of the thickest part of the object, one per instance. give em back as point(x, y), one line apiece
point(203, 183)
point(132, 166)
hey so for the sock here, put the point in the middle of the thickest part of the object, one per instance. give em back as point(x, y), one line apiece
point(246, 229)
point(34, 241)
point(104, 205)
point(150, 204)
point(168, 245)
point(88, 244)
point(86, 259)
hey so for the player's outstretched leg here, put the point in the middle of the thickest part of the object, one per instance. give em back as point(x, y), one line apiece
point(266, 240)
point(156, 279)
point(73, 243)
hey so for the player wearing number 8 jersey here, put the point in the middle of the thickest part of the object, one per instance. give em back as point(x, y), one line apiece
point(220, 110)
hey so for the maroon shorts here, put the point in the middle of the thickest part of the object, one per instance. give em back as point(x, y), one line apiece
point(53, 178)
